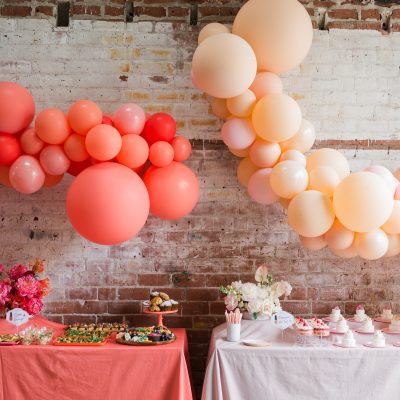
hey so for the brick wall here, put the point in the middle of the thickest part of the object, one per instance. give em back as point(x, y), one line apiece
point(348, 86)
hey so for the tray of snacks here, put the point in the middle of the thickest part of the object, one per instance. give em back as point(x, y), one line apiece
point(83, 340)
point(146, 336)
point(9, 339)
point(105, 329)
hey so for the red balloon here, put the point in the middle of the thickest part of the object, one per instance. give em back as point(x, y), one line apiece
point(173, 190)
point(182, 148)
point(160, 126)
point(77, 167)
point(10, 149)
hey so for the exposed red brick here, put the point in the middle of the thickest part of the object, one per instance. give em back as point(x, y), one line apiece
point(395, 13)
point(93, 10)
point(133, 293)
point(195, 308)
point(46, 10)
point(90, 307)
point(16, 11)
point(150, 11)
point(114, 11)
point(78, 9)
point(80, 319)
point(82, 293)
point(202, 294)
point(343, 14)
point(296, 307)
point(154, 280)
point(107, 294)
point(369, 25)
point(373, 14)
point(209, 11)
point(188, 280)
point(217, 280)
point(124, 307)
point(178, 11)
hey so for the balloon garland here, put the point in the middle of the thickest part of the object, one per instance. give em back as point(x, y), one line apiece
point(351, 213)
point(108, 202)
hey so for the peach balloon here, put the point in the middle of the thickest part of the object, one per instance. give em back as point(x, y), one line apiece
point(397, 193)
point(284, 202)
point(264, 154)
point(130, 119)
point(83, 115)
point(238, 134)
point(103, 142)
point(75, 148)
point(134, 151)
point(259, 187)
point(245, 170)
point(26, 175)
point(389, 179)
point(394, 246)
point(392, 225)
point(182, 148)
point(371, 245)
point(107, 203)
point(288, 178)
point(52, 180)
point(310, 213)
point(212, 29)
point(266, 83)
point(313, 243)
point(54, 161)
point(397, 173)
point(324, 179)
point(219, 108)
point(51, 126)
point(303, 140)
point(161, 154)
point(242, 105)
point(339, 237)
point(240, 153)
point(280, 44)
point(329, 158)
point(362, 202)
point(224, 65)
point(345, 253)
point(294, 155)
point(276, 117)
point(4, 175)
point(31, 144)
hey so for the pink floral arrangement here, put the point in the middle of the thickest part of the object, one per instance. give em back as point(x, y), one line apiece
point(22, 288)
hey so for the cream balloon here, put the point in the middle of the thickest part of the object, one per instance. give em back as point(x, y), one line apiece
point(266, 83)
point(224, 65)
point(324, 179)
point(310, 213)
point(329, 158)
point(294, 155)
point(394, 246)
point(392, 225)
point(339, 237)
point(345, 253)
point(389, 179)
point(245, 170)
point(313, 243)
point(238, 134)
point(280, 43)
point(240, 153)
point(242, 105)
point(276, 117)
point(371, 245)
point(288, 178)
point(219, 108)
point(264, 154)
point(362, 202)
point(212, 29)
point(303, 140)
point(259, 187)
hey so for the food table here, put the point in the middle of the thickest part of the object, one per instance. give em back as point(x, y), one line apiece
point(111, 371)
point(289, 371)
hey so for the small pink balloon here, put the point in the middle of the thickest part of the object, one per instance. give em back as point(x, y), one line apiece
point(259, 187)
point(130, 118)
point(386, 175)
point(238, 133)
point(313, 243)
point(26, 175)
point(397, 193)
point(31, 143)
point(266, 83)
point(54, 161)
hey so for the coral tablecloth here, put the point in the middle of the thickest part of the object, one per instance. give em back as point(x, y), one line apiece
point(108, 372)
point(286, 371)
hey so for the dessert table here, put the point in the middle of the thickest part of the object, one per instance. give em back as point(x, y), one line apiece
point(111, 371)
point(287, 370)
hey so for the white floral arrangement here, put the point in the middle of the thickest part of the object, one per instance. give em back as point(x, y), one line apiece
point(260, 299)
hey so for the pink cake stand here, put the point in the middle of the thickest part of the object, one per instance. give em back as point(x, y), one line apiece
point(159, 315)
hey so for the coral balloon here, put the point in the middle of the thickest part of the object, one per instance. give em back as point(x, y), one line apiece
point(390, 181)
point(324, 179)
point(52, 180)
point(294, 155)
point(259, 187)
point(371, 245)
point(10, 149)
point(240, 153)
point(103, 142)
point(313, 243)
point(26, 175)
point(362, 202)
point(77, 167)
point(276, 117)
point(329, 158)
point(264, 154)
point(392, 225)
point(161, 154)
point(397, 173)
point(393, 245)
point(53, 160)
point(288, 178)
point(182, 148)
point(245, 170)
point(107, 203)
point(303, 140)
point(30, 142)
point(134, 151)
point(106, 120)
point(173, 190)
point(84, 115)
point(219, 108)
point(224, 65)
point(51, 126)
point(339, 237)
point(17, 108)
point(242, 105)
point(212, 29)
point(159, 127)
point(345, 253)
point(238, 134)
point(75, 148)
point(266, 83)
point(130, 119)
point(279, 44)
point(4, 175)
point(310, 213)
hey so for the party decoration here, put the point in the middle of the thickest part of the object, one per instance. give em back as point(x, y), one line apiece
point(212, 29)
point(161, 154)
point(134, 151)
point(294, 155)
point(259, 187)
point(303, 140)
point(264, 154)
point(75, 148)
point(84, 115)
point(10, 149)
point(245, 170)
point(53, 160)
point(242, 105)
point(339, 237)
point(130, 119)
point(238, 134)
point(393, 245)
point(182, 148)
point(371, 245)
point(329, 158)
point(392, 225)
point(103, 142)
point(159, 127)
point(51, 126)
point(30, 142)
point(324, 179)
point(313, 243)
point(26, 175)
point(266, 83)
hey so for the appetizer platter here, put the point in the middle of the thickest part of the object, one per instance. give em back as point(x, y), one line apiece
point(146, 336)
point(9, 340)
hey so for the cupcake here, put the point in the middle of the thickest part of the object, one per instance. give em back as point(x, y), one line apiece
point(387, 313)
point(335, 314)
point(164, 296)
point(166, 305)
point(156, 301)
point(154, 308)
point(319, 326)
point(379, 339)
point(348, 339)
point(154, 294)
point(154, 337)
point(367, 326)
point(360, 315)
point(303, 327)
point(174, 305)
point(341, 326)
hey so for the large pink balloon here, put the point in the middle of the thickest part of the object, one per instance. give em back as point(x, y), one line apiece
point(238, 133)
point(107, 203)
point(54, 161)
point(26, 175)
point(130, 119)
point(173, 190)
point(259, 187)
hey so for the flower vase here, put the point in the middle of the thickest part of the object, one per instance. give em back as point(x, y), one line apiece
point(256, 317)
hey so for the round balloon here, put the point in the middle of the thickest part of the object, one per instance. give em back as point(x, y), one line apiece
point(259, 187)
point(212, 29)
point(392, 225)
point(294, 155)
point(10, 149)
point(30, 142)
point(5, 175)
point(52, 180)
point(242, 105)
point(26, 175)
point(53, 160)
point(103, 142)
point(182, 148)
point(238, 134)
point(386, 175)
point(51, 126)
point(329, 158)
point(219, 108)
point(75, 148)
point(161, 154)
point(303, 140)
point(130, 119)
point(264, 154)
point(345, 253)
point(159, 127)
point(371, 245)
point(313, 243)
point(245, 170)
point(324, 179)
point(240, 153)
point(339, 237)
point(134, 151)
point(83, 115)
point(266, 83)
point(393, 245)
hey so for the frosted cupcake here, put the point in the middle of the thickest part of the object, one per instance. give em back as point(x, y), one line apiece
point(379, 339)
point(341, 326)
point(395, 324)
point(335, 314)
point(319, 326)
point(360, 315)
point(174, 305)
point(348, 339)
point(387, 313)
point(303, 327)
point(367, 326)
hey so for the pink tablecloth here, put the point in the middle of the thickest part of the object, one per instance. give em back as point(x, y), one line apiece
point(112, 371)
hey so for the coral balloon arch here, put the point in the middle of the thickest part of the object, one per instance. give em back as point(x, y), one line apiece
point(351, 213)
point(108, 202)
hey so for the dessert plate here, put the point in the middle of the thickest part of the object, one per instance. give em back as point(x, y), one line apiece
point(256, 343)
point(363, 332)
point(380, 319)
point(337, 333)
point(344, 346)
point(370, 344)
point(353, 320)
point(386, 330)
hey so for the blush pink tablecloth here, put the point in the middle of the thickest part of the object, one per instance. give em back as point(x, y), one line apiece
point(108, 372)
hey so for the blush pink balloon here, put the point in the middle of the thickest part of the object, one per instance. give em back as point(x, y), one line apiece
point(266, 83)
point(31, 143)
point(26, 175)
point(54, 161)
point(130, 118)
point(238, 133)
point(259, 187)
point(313, 243)
point(386, 175)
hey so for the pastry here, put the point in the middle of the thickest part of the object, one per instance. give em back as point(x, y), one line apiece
point(348, 339)
point(147, 334)
point(154, 294)
point(379, 339)
point(341, 326)
point(303, 327)
point(174, 305)
point(335, 314)
point(319, 326)
point(154, 308)
point(367, 326)
point(156, 301)
point(164, 296)
point(395, 324)
point(387, 313)
point(360, 315)
point(9, 338)
point(166, 305)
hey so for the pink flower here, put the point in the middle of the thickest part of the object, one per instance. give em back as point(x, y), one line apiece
point(27, 286)
point(230, 302)
point(1, 268)
point(33, 306)
point(5, 290)
point(17, 271)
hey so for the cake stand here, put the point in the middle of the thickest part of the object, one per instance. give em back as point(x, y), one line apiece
point(159, 315)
